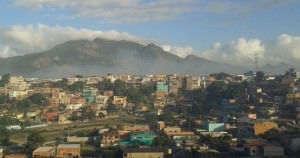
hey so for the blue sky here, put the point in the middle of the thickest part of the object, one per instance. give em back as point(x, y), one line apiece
point(195, 26)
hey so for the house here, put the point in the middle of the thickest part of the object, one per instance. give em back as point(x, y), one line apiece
point(109, 139)
point(160, 102)
point(74, 106)
point(264, 126)
point(108, 93)
point(17, 94)
point(15, 156)
point(75, 139)
point(101, 101)
point(68, 150)
point(120, 101)
point(44, 152)
point(52, 116)
point(137, 128)
point(180, 137)
point(77, 100)
point(144, 153)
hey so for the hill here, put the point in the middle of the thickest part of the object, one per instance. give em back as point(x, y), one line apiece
point(102, 56)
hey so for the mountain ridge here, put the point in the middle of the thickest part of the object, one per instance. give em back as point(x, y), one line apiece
point(106, 56)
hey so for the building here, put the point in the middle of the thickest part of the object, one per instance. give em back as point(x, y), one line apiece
point(77, 100)
point(17, 83)
point(160, 102)
point(180, 137)
point(15, 156)
point(214, 127)
point(142, 138)
point(120, 101)
point(89, 93)
point(74, 106)
point(161, 125)
point(18, 95)
point(273, 151)
point(137, 128)
point(101, 101)
point(263, 127)
point(172, 130)
point(108, 93)
point(191, 83)
point(162, 87)
point(109, 139)
point(68, 150)
point(144, 153)
point(173, 85)
point(293, 97)
point(44, 152)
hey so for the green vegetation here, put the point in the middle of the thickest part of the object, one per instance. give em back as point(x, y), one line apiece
point(3, 99)
point(5, 79)
point(163, 141)
point(4, 135)
point(77, 86)
point(38, 99)
point(34, 140)
point(210, 98)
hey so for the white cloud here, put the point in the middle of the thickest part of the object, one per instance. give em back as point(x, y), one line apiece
point(133, 11)
point(179, 51)
point(20, 40)
point(284, 49)
point(117, 10)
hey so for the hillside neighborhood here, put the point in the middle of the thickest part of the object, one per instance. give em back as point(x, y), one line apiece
point(219, 115)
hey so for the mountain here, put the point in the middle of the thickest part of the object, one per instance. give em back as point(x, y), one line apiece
point(102, 56)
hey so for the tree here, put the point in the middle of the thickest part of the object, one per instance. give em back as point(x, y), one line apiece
point(4, 79)
point(34, 140)
point(151, 118)
point(105, 85)
point(4, 136)
point(163, 141)
point(110, 107)
point(61, 84)
point(119, 88)
point(77, 86)
point(38, 99)
point(3, 99)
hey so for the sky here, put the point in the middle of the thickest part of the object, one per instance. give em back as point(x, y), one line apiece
point(227, 31)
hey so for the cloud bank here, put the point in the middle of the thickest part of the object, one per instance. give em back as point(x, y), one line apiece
point(136, 11)
point(284, 49)
point(20, 40)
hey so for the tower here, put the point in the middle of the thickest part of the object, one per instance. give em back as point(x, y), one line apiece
point(256, 61)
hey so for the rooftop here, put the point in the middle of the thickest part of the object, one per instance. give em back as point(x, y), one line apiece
point(68, 146)
point(43, 149)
